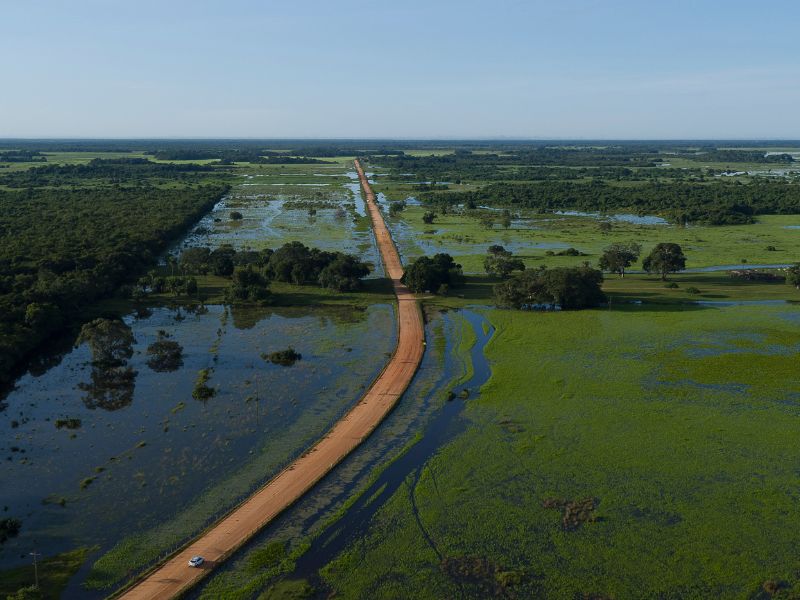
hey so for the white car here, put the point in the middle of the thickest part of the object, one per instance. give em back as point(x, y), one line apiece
point(196, 561)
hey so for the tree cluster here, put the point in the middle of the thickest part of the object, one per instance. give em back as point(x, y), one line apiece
point(61, 249)
point(619, 256)
point(720, 203)
point(564, 287)
point(437, 274)
point(665, 258)
point(294, 262)
point(500, 262)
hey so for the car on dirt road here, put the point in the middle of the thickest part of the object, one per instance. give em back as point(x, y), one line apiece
point(196, 561)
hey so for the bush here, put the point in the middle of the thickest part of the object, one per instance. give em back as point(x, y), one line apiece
point(426, 274)
point(165, 355)
point(499, 262)
point(201, 389)
point(285, 358)
point(236, 215)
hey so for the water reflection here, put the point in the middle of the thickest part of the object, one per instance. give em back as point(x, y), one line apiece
point(112, 381)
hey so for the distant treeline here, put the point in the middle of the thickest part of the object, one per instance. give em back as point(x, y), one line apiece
point(300, 155)
point(230, 156)
point(739, 156)
point(113, 170)
point(622, 162)
point(714, 204)
point(464, 173)
point(22, 156)
point(467, 163)
point(63, 248)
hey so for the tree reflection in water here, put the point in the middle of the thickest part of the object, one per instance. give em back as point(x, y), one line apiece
point(112, 381)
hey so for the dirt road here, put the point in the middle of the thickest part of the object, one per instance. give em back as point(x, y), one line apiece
point(217, 543)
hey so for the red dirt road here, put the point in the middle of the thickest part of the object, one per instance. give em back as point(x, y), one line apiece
point(217, 543)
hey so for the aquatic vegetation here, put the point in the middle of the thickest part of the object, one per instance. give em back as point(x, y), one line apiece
point(165, 355)
point(202, 391)
point(610, 405)
point(285, 358)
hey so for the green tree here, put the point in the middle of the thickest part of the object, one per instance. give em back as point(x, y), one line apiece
point(499, 262)
point(110, 340)
point(618, 257)
point(221, 261)
point(567, 287)
point(27, 593)
point(665, 258)
point(429, 274)
point(343, 274)
point(249, 286)
point(395, 208)
point(42, 316)
point(428, 217)
point(194, 261)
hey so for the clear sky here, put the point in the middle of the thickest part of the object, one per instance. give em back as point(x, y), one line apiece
point(400, 68)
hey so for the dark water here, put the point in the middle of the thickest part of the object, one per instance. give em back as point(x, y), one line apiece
point(159, 448)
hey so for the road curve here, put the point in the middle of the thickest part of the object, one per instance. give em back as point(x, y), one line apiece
point(174, 577)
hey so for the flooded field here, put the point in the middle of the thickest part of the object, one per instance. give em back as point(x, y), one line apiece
point(159, 448)
point(280, 207)
point(82, 440)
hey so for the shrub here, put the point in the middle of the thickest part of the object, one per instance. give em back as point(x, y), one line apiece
point(285, 358)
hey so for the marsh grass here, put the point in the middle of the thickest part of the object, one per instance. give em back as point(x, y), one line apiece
point(690, 455)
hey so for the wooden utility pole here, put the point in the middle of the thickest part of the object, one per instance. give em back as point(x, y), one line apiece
point(35, 555)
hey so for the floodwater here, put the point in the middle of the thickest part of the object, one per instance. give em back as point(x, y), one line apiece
point(158, 447)
point(743, 267)
point(76, 441)
point(624, 217)
point(276, 213)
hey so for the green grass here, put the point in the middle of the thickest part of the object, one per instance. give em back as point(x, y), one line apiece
point(459, 235)
point(649, 290)
point(54, 573)
point(681, 424)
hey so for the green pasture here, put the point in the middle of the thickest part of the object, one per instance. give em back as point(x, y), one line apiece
point(678, 425)
point(465, 237)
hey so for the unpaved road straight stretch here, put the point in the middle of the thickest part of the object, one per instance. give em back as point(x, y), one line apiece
point(174, 576)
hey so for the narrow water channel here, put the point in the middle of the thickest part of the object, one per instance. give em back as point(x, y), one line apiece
point(439, 431)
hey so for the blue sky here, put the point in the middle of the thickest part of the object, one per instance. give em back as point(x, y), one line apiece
point(409, 69)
